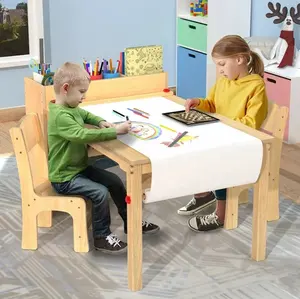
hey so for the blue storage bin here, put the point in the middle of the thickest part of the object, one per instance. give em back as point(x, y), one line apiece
point(191, 73)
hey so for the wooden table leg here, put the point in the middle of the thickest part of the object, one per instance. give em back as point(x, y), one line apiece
point(134, 228)
point(260, 207)
point(232, 206)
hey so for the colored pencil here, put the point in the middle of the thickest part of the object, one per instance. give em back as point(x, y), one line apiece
point(141, 111)
point(177, 139)
point(110, 65)
point(118, 113)
point(117, 67)
point(167, 128)
point(138, 113)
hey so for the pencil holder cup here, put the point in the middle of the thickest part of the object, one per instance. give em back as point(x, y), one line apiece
point(109, 75)
point(97, 77)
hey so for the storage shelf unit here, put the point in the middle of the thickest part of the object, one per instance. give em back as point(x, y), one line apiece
point(283, 88)
point(196, 37)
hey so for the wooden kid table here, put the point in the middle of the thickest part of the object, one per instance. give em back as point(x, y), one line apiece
point(138, 167)
point(138, 172)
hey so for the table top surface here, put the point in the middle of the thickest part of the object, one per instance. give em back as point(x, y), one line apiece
point(116, 148)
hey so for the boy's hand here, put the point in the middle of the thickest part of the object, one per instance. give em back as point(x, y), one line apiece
point(191, 103)
point(123, 128)
point(104, 124)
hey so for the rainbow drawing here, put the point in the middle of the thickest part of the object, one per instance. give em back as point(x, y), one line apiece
point(145, 131)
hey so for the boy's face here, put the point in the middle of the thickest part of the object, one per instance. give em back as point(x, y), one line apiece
point(74, 95)
point(230, 67)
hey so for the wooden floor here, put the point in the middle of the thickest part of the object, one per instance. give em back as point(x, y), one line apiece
point(289, 172)
point(5, 142)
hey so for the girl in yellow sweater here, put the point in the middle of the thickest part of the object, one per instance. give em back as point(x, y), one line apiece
point(238, 94)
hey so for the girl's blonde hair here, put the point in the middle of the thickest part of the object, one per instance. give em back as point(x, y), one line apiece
point(234, 45)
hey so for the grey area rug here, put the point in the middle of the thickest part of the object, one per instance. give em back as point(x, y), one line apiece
point(178, 263)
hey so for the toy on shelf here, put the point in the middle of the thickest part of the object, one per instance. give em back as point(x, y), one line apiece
point(284, 52)
point(199, 8)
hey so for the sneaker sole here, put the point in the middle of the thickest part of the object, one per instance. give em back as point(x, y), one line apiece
point(202, 231)
point(195, 211)
point(117, 252)
point(150, 232)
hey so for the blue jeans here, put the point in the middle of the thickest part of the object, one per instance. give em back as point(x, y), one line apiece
point(94, 183)
point(221, 194)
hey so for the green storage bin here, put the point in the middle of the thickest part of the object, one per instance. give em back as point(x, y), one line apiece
point(192, 35)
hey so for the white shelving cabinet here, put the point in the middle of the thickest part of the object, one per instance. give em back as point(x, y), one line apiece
point(196, 37)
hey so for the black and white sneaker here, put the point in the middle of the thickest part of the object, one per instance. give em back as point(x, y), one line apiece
point(205, 223)
point(197, 204)
point(147, 228)
point(110, 244)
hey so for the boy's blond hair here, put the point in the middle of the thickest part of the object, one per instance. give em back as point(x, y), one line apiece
point(70, 73)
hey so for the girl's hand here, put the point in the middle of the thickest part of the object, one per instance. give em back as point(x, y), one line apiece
point(123, 128)
point(191, 103)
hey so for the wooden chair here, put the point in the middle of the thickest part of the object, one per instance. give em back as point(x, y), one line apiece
point(38, 197)
point(274, 125)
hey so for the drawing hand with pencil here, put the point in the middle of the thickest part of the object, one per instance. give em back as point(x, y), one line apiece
point(123, 128)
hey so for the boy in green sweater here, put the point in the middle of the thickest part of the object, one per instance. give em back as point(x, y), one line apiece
point(69, 172)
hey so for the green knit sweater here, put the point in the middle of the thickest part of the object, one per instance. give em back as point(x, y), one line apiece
point(68, 138)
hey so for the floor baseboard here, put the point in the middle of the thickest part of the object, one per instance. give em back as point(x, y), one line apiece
point(12, 114)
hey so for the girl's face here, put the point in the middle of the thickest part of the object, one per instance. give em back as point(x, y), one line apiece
point(231, 67)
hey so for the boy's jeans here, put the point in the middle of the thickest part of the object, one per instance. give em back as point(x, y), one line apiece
point(221, 194)
point(94, 183)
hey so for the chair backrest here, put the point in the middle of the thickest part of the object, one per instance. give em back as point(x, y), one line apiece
point(29, 148)
point(275, 122)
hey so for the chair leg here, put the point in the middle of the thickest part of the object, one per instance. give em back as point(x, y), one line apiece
point(45, 219)
point(244, 197)
point(81, 242)
point(29, 230)
point(232, 205)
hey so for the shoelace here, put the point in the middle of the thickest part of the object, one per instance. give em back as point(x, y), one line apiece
point(145, 223)
point(191, 202)
point(113, 240)
point(208, 219)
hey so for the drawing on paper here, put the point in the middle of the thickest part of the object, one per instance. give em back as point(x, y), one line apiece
point(182, 141)
point(145, 131)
